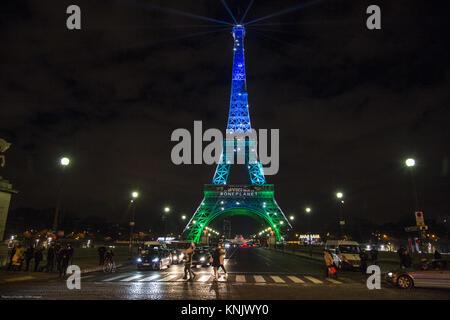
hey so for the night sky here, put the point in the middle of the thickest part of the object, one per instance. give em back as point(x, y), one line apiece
point(351, 104)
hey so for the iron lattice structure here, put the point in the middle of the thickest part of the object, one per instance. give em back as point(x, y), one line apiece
point(221, 199)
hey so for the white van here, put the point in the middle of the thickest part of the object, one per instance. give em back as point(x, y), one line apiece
point(345, 253)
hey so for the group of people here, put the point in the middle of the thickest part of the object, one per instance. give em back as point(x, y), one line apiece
point(217, 262)
point(57, 254)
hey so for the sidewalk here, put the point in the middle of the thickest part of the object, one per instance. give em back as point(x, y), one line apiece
point(86, 259)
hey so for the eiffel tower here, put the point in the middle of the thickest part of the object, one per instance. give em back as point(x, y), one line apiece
point(221, 199)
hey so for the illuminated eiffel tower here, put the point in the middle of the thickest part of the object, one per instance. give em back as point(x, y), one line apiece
point(221, 199)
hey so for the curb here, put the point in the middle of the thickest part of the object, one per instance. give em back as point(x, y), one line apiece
point(100, 268)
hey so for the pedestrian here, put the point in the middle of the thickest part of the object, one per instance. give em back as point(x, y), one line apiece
point(363, 257)
point(11, 256)
point(406, 261)
point(101, 255)
point(70, 252)
point(37, 258)
point(18, 258)
point(64, 257)
point(374, 255)
point(400, 252)
point(29, 254)
point(221, 260)
point(437, 255)
point(329, 263)
point(188, 262)
point(216, 260)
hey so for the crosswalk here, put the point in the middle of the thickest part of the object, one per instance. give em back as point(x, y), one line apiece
point(232, 278)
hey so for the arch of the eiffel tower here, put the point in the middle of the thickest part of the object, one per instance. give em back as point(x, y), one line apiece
point(256, 198)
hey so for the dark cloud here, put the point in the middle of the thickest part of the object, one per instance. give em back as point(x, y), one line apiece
point(350, 103)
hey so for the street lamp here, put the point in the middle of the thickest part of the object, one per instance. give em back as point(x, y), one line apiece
point(64, 162)
point(166, 210)
point(183, 217)
point(308, 213)
point(134, 196)
point(410, 162)
point(291, 217)
point(339, 196)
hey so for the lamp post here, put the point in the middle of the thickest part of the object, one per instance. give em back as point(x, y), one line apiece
point(166, 211)
point(132, 207)
point(340, 196)
point(308, 213)
point(410, 164)
point(64, 162)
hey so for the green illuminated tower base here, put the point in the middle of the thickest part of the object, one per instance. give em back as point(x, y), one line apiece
point(256, 201)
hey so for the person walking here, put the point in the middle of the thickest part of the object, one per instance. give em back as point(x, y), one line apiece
point(406, 259)
point(188, 263)
point(221, 260)
point(70, 252)
point(63, 261)
point(400, 252)
point(29, 254)
point(50, 258)
point(101, 255)
point(18, 258)
point(374, 255)
point(216, 261)
point(37, 258)
point(363, 257)
point(329, 263)
point(11, 256)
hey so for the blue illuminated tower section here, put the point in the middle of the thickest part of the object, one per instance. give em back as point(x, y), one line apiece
point(239, 121)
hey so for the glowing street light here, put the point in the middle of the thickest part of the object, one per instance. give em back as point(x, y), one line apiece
point(166, 209)
point(410, 162)
point(64, 161)
point(308, 210)
point(339, 195)
point(135, 194)
point(291, 217)
point(183, 217)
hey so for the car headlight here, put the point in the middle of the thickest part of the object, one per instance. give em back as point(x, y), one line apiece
point(390, 274)
point(138, 260)
point(155, 260)
point(202, 259)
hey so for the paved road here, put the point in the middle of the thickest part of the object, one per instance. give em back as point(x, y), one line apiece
point(253, 273)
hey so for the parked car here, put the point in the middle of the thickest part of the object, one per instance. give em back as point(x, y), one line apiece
point(432, 274)
point(345, 253)
point(201, 257)
point(153, 257)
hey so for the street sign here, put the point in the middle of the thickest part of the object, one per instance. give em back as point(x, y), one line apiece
point(419, 218)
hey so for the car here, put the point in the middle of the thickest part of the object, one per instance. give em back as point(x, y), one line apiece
point(431, 274)
point(201, 257)
point(153, 257)
point(176, 256)
point(345, 253)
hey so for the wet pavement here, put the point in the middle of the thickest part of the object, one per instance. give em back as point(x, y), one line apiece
point(253, 273)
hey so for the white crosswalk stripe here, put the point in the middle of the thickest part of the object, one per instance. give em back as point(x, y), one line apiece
point(334, 281)
point(277, 279)
point(296, 279)
point(259, 279)
point(116, 277)
point(153, 277)
point(314, 280)
point(240, 278)
point(204, 278)
point(169, 277)
point(133, 277)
